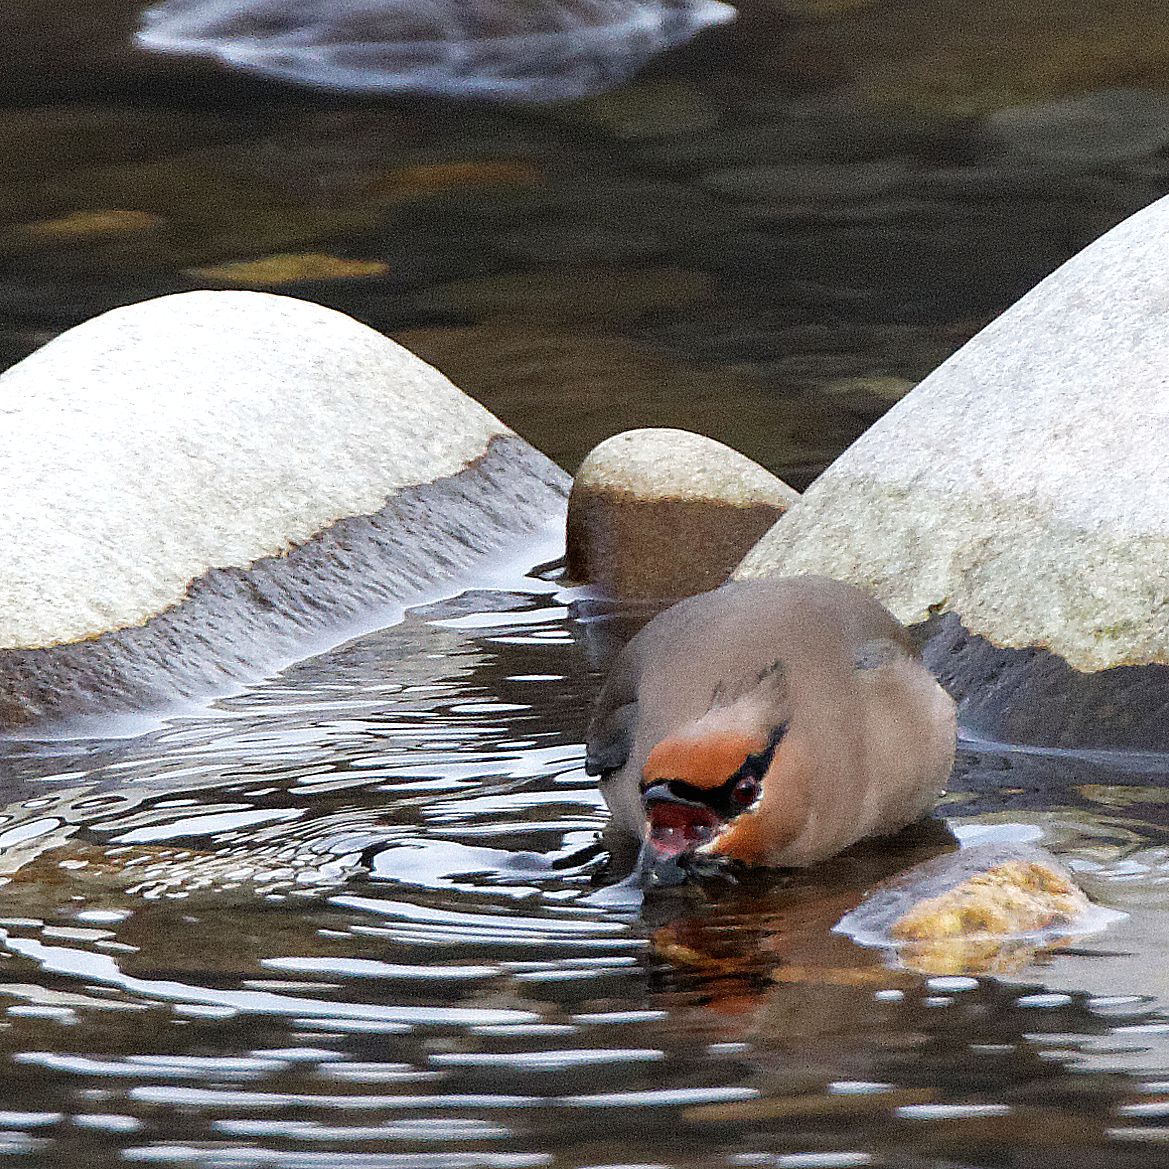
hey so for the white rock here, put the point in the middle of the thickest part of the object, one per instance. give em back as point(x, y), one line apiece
point(661, 462)
point(155, 442)
point(232, 461)
point(1023, 484)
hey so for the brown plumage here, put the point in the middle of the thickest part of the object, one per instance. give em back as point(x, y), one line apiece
point(774, 722)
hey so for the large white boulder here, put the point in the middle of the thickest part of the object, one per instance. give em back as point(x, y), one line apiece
point(204, 485)
point(1023, 488)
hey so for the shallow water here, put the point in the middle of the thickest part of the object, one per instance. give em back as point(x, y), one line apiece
point(353, 917)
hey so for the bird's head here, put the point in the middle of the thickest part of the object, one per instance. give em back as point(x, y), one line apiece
point(723, 791)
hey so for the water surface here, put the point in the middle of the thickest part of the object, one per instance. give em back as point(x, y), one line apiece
point(769, 235)
point(356, 916)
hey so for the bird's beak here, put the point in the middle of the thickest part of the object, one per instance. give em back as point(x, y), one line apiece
point(676, 824)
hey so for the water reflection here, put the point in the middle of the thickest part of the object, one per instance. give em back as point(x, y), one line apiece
point(355, 916)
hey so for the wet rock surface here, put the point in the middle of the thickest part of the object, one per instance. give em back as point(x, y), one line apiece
point(200, 484)
point(1034, 697)
point(1010, 490)
point(659, 513)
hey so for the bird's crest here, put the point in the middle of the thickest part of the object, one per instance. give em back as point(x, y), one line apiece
point(773, 676)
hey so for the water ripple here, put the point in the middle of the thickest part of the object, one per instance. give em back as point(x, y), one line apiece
point(358, 916)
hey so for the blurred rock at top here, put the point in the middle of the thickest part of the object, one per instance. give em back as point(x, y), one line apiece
point(498, 50)
point(927, 54)
point(767, 235)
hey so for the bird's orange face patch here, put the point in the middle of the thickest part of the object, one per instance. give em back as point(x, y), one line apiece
point(706, 762)
point(697, 789)
point(758, 839)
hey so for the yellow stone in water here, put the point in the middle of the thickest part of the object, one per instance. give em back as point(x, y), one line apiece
point(289, 268)
point(84, 225)
point(986, 955)
point(1016, 897)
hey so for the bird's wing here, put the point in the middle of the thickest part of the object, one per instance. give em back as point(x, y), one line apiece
point(609, 738)
point(878, 652)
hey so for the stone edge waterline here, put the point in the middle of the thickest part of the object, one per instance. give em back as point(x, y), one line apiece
point(236, 624)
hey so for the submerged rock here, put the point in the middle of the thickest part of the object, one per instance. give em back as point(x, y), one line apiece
point(89, 225)
point(1100, 129)
point(290, 268)
point(1013, 897)
point(206, 486)
point(501, 50)
point(1017, 489)
point(659, 513)
point(917, 57)
point(986, 908)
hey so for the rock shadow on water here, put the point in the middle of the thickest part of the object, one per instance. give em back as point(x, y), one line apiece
point(492, 50)
point(1032, 697)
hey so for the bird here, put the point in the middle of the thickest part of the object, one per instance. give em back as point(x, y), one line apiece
point(770, 722)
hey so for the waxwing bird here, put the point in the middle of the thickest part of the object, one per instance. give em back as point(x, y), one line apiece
point(772, 722)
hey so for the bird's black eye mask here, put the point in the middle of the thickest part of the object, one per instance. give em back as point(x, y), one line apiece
point(729, 799)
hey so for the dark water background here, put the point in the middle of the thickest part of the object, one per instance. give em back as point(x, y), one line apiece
point(769, 237)
point(351, 917)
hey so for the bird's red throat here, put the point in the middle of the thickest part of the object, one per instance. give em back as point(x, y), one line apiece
point(675, 828)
